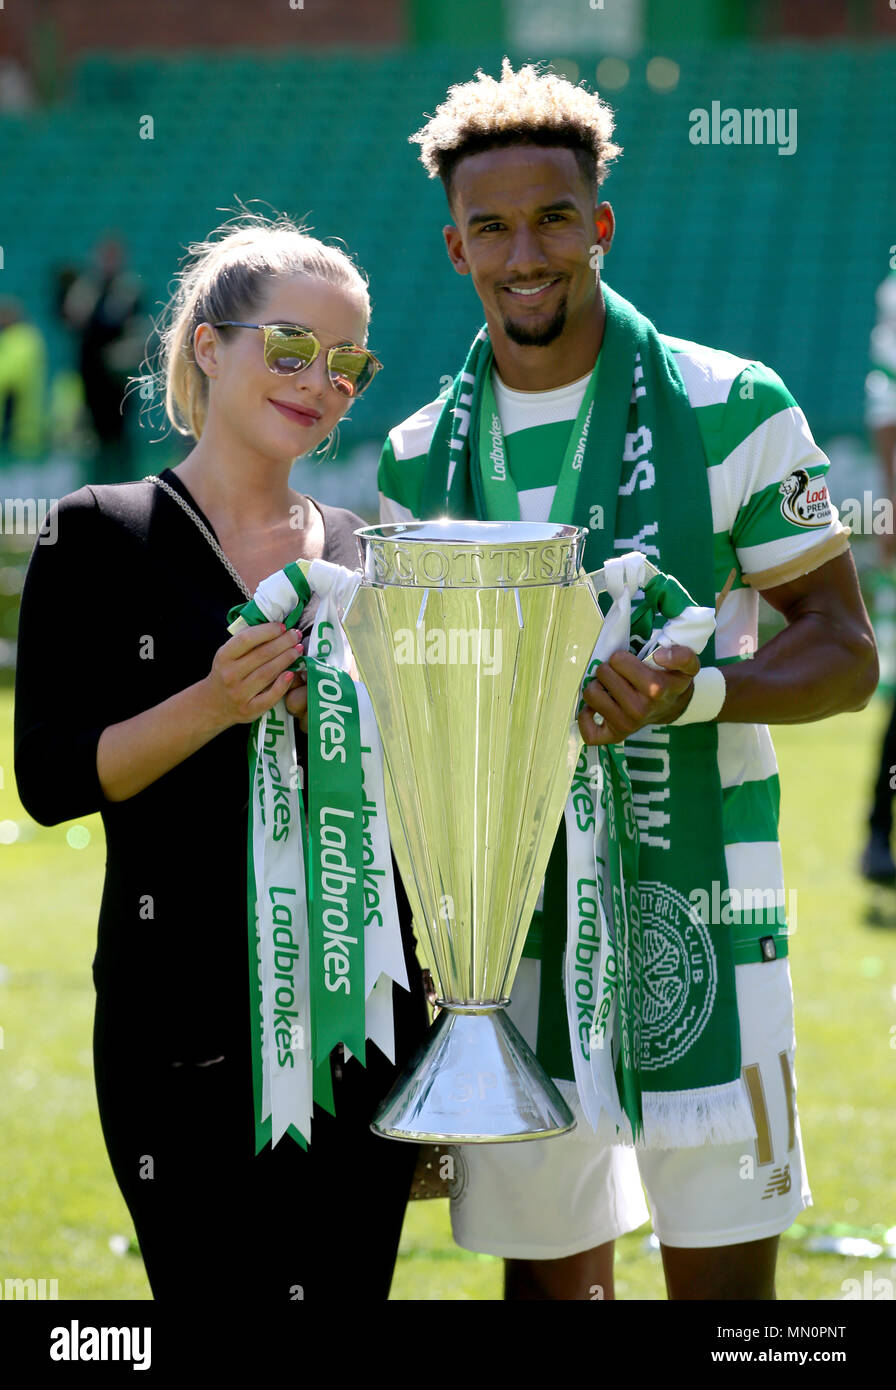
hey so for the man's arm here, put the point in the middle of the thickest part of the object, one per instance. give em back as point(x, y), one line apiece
point(823, 662)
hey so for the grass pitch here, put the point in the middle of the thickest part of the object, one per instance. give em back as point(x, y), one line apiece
point(62, 1216)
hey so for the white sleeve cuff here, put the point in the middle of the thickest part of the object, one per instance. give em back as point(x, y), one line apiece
point(707, 699)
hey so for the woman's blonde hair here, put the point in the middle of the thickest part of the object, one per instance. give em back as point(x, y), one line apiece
point(225, 278)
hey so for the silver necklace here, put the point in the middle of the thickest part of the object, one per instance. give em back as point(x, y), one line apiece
point(153, 478)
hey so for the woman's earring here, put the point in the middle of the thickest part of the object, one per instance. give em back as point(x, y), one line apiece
point(323, 448)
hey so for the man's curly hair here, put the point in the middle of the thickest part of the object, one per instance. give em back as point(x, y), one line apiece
point(523, 108)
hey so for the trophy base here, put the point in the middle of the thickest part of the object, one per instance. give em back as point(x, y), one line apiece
point(474, 1080)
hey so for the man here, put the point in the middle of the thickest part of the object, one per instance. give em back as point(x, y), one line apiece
point(704, 463)
point(102, 306)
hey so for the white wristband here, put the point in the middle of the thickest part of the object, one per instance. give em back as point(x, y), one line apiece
point(707, 699)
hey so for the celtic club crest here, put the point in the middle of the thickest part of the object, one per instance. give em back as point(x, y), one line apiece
point(679, 975)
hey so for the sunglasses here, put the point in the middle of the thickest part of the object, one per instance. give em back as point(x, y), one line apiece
point(289, 348)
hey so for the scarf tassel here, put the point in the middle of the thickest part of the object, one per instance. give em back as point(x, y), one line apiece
point(717, 1114)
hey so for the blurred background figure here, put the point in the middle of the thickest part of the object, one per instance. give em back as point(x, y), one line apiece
point(102, 307)
point(877, 862)
point(23, 379)
point(16, 91)
point(69, 424)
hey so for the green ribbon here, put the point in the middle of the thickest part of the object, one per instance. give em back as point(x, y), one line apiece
point(335, 861)
point(498, 488)
point(333, 869)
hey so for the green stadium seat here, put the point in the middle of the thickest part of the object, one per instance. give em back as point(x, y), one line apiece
point(729, 246)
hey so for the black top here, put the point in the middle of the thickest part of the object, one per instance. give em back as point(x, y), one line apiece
point(143, 600)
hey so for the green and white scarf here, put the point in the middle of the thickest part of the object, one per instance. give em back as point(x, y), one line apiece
point(324, 936)
point(668, 1022)
point(649, 995)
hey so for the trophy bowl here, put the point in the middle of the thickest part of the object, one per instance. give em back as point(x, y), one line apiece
point(473, 639)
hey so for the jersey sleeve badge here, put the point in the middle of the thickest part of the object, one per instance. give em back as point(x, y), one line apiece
point(804, 500)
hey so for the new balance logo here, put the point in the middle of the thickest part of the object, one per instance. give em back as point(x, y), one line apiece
point(778, 1183)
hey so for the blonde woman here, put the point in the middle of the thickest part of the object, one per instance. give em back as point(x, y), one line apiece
point(263, 350)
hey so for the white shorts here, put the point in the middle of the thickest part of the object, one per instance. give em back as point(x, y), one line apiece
point(545, 1199)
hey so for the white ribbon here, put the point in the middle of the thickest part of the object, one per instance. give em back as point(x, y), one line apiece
point(334, 586)
point(279, 872)
point(282, 930)
point(287, 1088)
point(383, 950)
point(622, 576)
point(586, 958)
point(276, 597)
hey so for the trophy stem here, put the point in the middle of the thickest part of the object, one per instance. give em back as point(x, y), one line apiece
point(474, 1080)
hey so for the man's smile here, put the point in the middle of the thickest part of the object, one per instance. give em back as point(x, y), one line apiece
point(532, 294)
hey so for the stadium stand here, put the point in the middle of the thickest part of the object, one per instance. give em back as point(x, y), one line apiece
point(728, 245)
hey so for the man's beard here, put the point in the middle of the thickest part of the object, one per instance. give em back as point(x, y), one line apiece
point(539, 335)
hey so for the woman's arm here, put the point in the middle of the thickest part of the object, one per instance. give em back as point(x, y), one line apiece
point(59, 712)
point(74, 650)
point(248, 676)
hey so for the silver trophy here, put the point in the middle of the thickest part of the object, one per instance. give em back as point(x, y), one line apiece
point(473, 639)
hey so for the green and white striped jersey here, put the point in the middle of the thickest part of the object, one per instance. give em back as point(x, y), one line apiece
point(772, 522)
